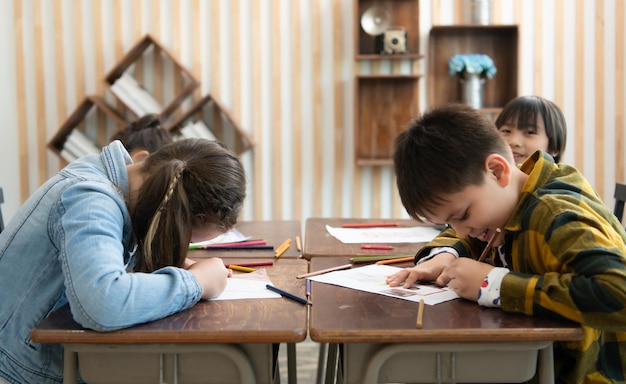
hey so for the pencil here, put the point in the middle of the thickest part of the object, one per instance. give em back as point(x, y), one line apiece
point(240, 268)
point(489, 245)
point(368, 225)
point(288, 295)
point(369, 259)
point(420, 315)
point(251, 264)
point(298, 243)
point(283, 247)
point(308, 290)
point(396, 260)
point(321, 271)
point(375, 246)
point(242, 248)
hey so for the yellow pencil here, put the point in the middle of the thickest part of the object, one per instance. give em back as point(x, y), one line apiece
point(283, 247)
point(420, 315)
point(240, 268)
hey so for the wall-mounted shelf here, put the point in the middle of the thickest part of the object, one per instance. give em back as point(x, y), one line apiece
point(500, 42)
point(400, 13)
point(208, 118)
point(384, 104)
point(94, 120)
point(149, 79)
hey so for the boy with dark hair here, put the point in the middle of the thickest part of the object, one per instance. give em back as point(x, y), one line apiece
point(559, 251)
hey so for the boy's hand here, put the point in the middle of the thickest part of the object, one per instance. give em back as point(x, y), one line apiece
point(464, 276)
point(427, 271)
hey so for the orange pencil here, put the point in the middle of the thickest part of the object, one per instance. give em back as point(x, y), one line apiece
point(283, 247)
point(397, 260)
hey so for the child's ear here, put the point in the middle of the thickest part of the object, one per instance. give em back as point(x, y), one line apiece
point(139, 155)
point(499, 168)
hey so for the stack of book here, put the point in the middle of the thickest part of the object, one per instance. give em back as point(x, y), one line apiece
point(134, 96)
point(77, 145)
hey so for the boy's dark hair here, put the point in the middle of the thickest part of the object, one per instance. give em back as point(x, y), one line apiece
point(526, 109)
point(442, 152)
point(144, 133)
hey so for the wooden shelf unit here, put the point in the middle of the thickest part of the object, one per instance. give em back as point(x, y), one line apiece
point(402, 13)
point(94, 118)
point(215, 117)
point(500, 42)
point(156, 70)
point(384, 104)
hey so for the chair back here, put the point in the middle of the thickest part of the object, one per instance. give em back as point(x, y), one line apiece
point(1, 219)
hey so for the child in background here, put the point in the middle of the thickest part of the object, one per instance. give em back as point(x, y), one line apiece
point(143, 136)
point(74, 240)
point(564, 252)
point(529, 123)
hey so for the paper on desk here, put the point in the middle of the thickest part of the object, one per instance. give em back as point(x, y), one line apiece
point(248, 286)
point(231, 236)
point(371, 278)
point(387, 235)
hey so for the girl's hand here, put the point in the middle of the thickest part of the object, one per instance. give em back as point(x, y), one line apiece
point(465, 276)
point(211, 274)
point(426, 271)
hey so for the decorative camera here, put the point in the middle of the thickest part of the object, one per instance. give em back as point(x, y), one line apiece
point(391, 41)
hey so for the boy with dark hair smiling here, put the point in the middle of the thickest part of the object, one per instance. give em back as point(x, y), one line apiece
point(558, 250)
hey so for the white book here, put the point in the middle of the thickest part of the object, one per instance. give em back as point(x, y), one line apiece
point(126, 98)
point(84, 143)
point(203, 130)
point(146, 102)
point(73, 148)
point(188, 131)
point(67, 155)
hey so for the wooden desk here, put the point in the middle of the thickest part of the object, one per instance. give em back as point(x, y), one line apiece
point(217, 341)
point(459, 342)
point(318, 242)
point(275, 232)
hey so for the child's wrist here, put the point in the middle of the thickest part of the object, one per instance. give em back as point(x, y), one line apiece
point(489, 291)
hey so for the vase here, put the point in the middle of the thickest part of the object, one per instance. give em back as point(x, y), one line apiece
point(472, 89)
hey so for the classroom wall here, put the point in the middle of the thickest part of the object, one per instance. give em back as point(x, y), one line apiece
point(285, 69)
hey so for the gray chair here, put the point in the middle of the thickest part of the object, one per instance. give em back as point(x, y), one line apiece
point(620, 198)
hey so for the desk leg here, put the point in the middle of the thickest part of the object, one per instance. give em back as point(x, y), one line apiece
point(292, 376)
point(70, 366)
point(321, 363)
point(331, 362)
point(546, 365)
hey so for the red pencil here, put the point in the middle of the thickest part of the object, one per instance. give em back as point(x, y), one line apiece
point(237, 244)
point(368, 225)
point(375, 246)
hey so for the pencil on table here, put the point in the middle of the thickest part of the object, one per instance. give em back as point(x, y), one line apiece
point(240, 268)
point(368, 225)
point(369, 259)
point(321, 271)
point(288, 295)
point(283, 247)
point(376, 246)
point(489, 245)
point(298, 243)
point(396, 260)
point(420, 315)
point(251, 264)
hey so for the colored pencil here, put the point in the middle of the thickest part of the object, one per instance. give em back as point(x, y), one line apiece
point(368, 225)
point(321, 271)
point(420, 315)
point(251, 264)
point(240, 268)
point(283, 247)
point(246, 248)
point(375, 246)
point(489, 245)
point(233, 244)
point(287, 294)
point(396, 260)
point(370, 259)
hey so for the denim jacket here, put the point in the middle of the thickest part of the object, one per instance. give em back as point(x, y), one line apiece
point(72, 242)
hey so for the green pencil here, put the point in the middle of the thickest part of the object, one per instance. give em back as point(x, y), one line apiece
point(368, 259)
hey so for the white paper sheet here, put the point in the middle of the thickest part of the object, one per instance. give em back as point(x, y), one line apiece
point(388, 235)
point(231, 236)
point(371, 278)
point(248, 286)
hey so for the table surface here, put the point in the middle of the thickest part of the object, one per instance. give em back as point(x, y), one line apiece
point(275, 232)
point(343, 315)
point(275, 320)
point(318, 242)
